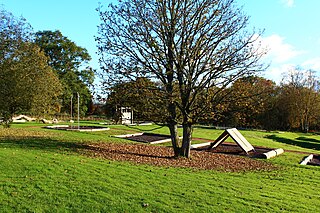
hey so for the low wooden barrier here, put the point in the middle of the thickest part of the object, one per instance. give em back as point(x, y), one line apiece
point(272, 153)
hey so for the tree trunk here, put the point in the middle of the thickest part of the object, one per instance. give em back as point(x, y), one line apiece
point(174, 138)
point(7, 119)
point(186, 141)
point(173, 126)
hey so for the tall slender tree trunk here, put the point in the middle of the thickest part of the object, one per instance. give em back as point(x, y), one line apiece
point(172, 123)
point(173, 127)
point(186, 141)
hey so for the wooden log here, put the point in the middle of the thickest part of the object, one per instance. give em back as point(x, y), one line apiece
point(194, 146)
point(56, 126)
point(272, 153)
point(128, 135)
point(162, 141)
point(306, 160)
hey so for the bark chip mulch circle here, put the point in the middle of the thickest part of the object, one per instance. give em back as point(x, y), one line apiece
point(148, 137)
point(163, 156)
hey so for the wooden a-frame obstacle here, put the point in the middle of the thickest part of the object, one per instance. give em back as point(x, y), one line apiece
point(242, 143)
point(236, 136)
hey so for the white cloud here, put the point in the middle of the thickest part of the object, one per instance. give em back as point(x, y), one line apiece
point(276, 73)
point(279, 51)
point(281, 55)
point(288, 3)
point(313, 63)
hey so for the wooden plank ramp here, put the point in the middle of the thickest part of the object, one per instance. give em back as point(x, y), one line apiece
point(236, 136)
point(240, 140)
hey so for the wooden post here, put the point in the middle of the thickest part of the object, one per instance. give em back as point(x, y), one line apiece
point(71, 112)
point(78, 110)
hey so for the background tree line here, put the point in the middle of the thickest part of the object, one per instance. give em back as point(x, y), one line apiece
point(40, 72)
point(253, 102)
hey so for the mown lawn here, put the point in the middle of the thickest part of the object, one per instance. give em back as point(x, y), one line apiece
point(41, 171)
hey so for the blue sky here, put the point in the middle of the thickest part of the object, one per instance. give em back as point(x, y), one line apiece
point(292, 32)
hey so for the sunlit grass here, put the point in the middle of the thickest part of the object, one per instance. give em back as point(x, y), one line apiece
point(41, 170)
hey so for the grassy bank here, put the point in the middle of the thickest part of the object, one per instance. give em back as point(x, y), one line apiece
point(42, 171)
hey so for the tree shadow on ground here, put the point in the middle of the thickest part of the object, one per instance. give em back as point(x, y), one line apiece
point(303, 142)
point(41, 143)
point(125, 152)
point(311, 140)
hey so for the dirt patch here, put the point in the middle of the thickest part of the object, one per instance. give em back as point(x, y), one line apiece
point(234, 149)
point(225, 148)
point(163, 156)
point(148, 137)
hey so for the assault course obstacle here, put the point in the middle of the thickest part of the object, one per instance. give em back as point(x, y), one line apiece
point(240, 141)
point(236, 136)
point(272, 153)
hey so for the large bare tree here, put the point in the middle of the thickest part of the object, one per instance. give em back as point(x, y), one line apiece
point(194, 48)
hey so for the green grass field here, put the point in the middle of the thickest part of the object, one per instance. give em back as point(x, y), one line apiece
point(40, 171)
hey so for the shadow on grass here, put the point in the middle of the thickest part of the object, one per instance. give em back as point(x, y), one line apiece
point(312, 140)
point(40, 143)
point(125, 153)
point(303, 142)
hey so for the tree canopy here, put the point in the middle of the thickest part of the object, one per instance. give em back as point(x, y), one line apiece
point(27, 83)
point(70, 62)
point(300, 97)
point(190, 47)
point(142, 95)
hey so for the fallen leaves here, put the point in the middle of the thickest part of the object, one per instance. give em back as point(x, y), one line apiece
point(163, 156)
